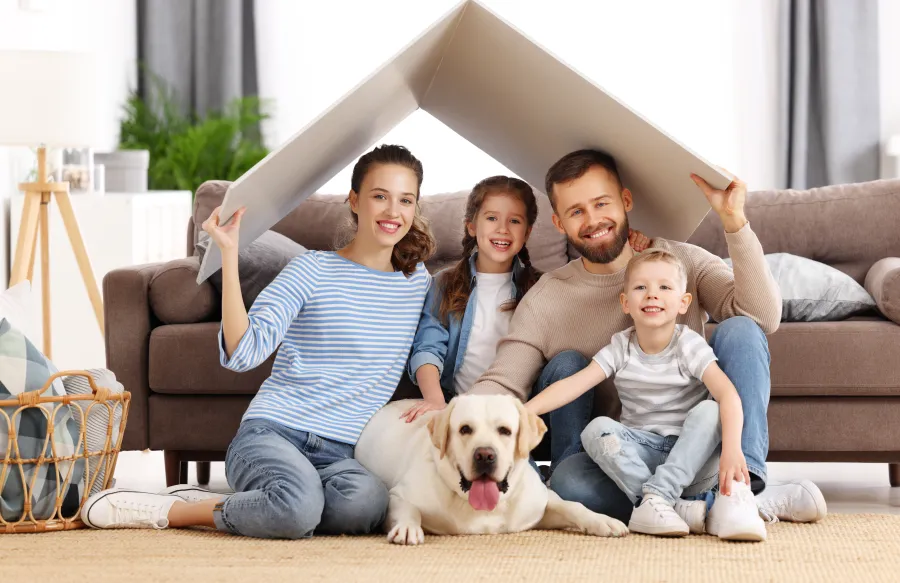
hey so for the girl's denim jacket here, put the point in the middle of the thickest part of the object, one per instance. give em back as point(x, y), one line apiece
point(434, 343)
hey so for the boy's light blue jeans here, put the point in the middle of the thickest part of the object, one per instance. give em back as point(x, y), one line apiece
point(289, 484)
point(643, 463)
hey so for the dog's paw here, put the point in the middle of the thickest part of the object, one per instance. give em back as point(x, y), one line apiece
point(600, 525)
point(407, 534)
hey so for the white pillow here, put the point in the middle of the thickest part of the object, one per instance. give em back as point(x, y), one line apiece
point(16, 306)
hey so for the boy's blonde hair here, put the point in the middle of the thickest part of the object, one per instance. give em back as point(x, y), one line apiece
point(656, 255)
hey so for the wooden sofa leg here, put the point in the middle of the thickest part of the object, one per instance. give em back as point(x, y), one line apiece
point(894, 474)
point(203, 473)
point(176, 470)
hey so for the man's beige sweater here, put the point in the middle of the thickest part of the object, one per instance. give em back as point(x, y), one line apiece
point(573, 309)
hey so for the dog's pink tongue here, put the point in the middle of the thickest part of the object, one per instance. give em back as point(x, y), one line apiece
point(484, 494)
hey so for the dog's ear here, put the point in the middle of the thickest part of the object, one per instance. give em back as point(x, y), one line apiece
point(439, 428)
point(531, 431)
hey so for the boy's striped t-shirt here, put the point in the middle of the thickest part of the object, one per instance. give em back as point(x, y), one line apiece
point(658, 391)
point(345, 332)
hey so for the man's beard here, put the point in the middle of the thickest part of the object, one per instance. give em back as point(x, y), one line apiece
point(606, 253)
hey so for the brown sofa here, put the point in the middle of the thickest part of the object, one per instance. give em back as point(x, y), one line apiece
point(835, 385)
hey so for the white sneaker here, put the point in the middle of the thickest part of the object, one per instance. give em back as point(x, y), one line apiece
point(190, 493)
point(793, 502)
point(736, 517)
point(693, 513)
point(656, 516)
point(127, 509)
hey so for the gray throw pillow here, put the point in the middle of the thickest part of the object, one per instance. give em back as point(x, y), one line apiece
point(258, 263)
point(815, 292)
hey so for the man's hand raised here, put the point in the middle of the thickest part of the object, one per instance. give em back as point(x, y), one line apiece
point(728, 203)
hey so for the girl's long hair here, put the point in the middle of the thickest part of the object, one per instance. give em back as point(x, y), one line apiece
point(457, 282)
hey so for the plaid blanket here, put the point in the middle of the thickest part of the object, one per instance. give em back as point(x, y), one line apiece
point(23, 368)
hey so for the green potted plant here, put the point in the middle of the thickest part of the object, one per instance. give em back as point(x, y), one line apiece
point(186, 150)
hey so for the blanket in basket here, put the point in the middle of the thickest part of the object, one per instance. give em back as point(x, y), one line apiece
point(23, 368)
point(97, 419)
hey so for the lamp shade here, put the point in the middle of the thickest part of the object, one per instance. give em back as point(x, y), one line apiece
point(49, 98)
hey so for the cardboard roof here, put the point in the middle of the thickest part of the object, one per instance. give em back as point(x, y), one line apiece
point(505, 94)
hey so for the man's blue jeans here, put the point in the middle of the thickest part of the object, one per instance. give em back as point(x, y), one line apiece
point(290, 484)
point(567, 422)
point(743, 353)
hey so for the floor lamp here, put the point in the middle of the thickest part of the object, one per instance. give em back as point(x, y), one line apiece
point(52, 102)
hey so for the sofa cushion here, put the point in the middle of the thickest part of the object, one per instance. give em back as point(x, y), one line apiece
point(184, 358)
point(175, 297)
point(831, 224)
point(815, 292)
point(883, 282)
point(855, 357)
point(258, 263)
point(859, 357)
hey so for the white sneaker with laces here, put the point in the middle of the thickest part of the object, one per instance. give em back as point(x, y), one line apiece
point(127, 509)
point(693, 513)
point(792, 502)
point(736, 517)
point(190, 493)
point(656, 516)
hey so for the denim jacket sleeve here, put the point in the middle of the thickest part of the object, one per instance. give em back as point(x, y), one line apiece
point(432, 338)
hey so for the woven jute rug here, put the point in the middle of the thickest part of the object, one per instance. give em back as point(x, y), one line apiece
point(843, 547)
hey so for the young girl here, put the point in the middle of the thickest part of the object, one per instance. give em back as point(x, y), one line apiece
point(469, 307)
point(345, 321)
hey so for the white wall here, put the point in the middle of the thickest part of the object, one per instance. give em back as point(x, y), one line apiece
point(105, 27)
point(756, 77)
point(889, 64)
point(673, 62)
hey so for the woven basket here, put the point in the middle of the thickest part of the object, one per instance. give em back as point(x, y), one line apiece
point(94, 461)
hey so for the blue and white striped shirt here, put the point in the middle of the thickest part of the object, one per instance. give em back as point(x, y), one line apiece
point(345, 332)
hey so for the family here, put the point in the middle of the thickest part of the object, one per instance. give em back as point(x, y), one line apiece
point(688, 453)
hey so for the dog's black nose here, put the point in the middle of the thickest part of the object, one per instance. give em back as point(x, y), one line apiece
point(485, 459)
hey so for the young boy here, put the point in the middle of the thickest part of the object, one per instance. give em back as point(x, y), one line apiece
point(667, 443)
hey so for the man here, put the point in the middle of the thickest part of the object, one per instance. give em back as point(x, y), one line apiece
point(572, 312)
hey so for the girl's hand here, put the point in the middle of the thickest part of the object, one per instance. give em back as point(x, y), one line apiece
point(638, 240)
point(226, 237)
point(732, 467)
point(416, 411)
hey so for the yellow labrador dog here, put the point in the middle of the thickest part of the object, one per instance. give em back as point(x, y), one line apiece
point(465, 470)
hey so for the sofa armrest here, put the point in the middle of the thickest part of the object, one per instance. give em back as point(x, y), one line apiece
point(129, 320)
point(883, 283)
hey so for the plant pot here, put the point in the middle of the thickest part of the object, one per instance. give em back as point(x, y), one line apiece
point(126, 170)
